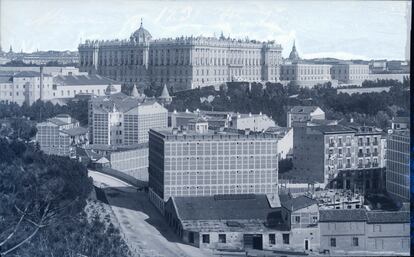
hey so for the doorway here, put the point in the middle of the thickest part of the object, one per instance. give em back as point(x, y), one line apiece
point(306, 244)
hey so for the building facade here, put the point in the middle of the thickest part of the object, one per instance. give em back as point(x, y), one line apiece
point(349, 157)
point(365, 232)
point(118, 119)
point(398, 165)
point(30, 86)
point(182, 63)
point(191, 163)
point(61, 135)
point(254, 122)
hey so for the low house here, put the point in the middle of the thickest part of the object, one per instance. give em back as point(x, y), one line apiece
point(227, 221)
point(301, 214)
point(365, 232)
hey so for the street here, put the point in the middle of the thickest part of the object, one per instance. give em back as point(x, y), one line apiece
point(144, 229)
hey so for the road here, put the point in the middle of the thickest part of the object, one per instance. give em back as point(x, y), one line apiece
point(143, 227)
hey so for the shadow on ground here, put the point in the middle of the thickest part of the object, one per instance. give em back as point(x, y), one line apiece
point(132, 199)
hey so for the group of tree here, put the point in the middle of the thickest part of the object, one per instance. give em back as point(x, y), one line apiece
point(275, 100)
point(42, 200)
point(41, 110)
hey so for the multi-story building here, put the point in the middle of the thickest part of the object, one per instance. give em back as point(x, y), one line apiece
point(350, 73)
point(130, 160)
point(358, 231)
point(202, 162)
point(182, 63)
point(118, 119)
point(30, 86)
point(398, 165)
point(304, 114)
point(303, 72)
point(349, 157)
point(301, 214)
point(61, 135)
point(284, 142)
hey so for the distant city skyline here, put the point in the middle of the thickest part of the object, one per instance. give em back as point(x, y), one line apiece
point(339, 29)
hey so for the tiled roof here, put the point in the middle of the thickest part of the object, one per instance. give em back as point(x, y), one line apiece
point(76, 131)
point(342, 215)
point(388, 217)
point(228, 207)
point(74, 80)
point(328, 129)
point(298, 203)
point(57, 121)
point(303, 109)
point(25, 74)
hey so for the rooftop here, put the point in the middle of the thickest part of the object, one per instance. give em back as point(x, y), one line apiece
point(331, 129)
point(298, 203)
point(342, 215)
point(75, 80)
point(388, 217)
point(173, 133)
point(26, 74)
point(223, 207)
point(303, 109)
point(76, 131)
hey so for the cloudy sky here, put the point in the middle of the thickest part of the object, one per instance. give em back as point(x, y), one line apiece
point(342, 29)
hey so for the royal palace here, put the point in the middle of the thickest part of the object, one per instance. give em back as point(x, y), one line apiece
point(181, 63)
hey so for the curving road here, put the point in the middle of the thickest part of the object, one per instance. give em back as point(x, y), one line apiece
point(143, 227)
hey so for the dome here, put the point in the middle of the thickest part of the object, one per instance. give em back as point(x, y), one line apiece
point(141, 35)
point(294, 54)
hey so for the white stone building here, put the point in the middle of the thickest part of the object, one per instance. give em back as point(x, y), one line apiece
point(182, 63)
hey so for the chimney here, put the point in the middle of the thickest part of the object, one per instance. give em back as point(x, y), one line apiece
point(41, 83)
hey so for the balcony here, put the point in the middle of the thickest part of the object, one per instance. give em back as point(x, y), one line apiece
point(360, 154)
point(348, 154)
point(375, 165)
point(340, 166)
point(375, 143)
point(340, 144)
point(331, 144)
point(375, 154)
point(360, 144)
point(360, 166)
point(348, 166)
point(367, 154)
point(348, 144)
point(368, 165)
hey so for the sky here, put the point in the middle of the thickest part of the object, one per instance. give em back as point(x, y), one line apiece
point(340, 29)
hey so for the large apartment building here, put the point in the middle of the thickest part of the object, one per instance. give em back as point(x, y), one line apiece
point(348, 156)
point(201, 162)
point(182, 63)
point(61, 135)
point(398, 165)
point(118, 119)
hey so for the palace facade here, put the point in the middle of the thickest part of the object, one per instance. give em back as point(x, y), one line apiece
point(181, 63)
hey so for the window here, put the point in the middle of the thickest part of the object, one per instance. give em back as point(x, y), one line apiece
point(222, 238)
point(206, 239)
point(355, 241)
point(272, 239)
point(297, 219)
point(285, 239)
point(333, 242)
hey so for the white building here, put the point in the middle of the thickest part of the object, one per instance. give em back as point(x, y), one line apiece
point(118, 119)
point(254, 122)
point(304, 114)
point(30, 86)
point(61, 135)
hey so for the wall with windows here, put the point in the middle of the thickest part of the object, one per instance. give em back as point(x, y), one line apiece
point(342, 236)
